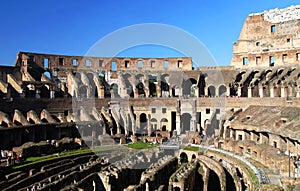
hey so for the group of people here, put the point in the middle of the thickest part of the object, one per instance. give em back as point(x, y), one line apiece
point(9, 158)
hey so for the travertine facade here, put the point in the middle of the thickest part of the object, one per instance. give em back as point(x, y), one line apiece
point(249, 108)
point(269, 39)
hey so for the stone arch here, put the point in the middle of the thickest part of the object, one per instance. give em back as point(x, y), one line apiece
point(186, 121)
point(143, 123)
point(194, 156)
point(187, 89)
point(165, 88)
point(140, 86)
point(175, 91)
point(45, 92)
point(92, 84)
point(211, 91)
point(152, 85)
point(114, 90)
point(222, 91)
point(48, 75)
point(164, 124)
point(82, 91)
point(128, 84)
point(183, 157)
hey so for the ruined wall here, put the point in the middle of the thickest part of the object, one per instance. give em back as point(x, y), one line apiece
point(269, 39)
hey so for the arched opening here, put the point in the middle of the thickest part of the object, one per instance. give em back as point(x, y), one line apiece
point(45, 92)
point(129, 88)
point(140, 85)
point(202, 85)
point(114, 91)
point(222, 91)
point(211, 91)
point(183, 157)
point(143, 124)
point(152, 85)
point(163, 124)
point(213, 181)
point(165, 85)
point(48, 75)
point(82, 91)
point(193, 156)
point(185, 122)
point(175, 91)
point(187, 89)
point(94, 90)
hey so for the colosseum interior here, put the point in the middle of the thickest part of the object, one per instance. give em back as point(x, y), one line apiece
point(208, 128)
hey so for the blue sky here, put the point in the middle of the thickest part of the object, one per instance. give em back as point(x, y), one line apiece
point(71, 27)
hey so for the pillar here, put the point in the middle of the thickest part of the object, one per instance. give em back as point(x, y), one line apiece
point(149, 125)
point(298, 93)
point(261, 91)
point(158, 88)
point(239, 91)
point(249, 91)
point(52, 94)
point(206, 91)
point(138, 120)
point(271, 91)
point(228, 91)
point(178, 129)
point(282, 91)
point(170, 90)
point(196, 92)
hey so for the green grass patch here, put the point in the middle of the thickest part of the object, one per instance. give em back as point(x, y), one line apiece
point(141, 145)
point(191, 148)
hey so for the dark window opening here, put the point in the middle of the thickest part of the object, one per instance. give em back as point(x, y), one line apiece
point(288, 40)
point(245, 61)
point(272, 61)
point(273, 28)
point(61, 61)
point(153, 110)
point(126, 63)
point(100, 63)
point(152, 64)
point(257, 60)
point(284, 57)
point(207, 111)
point(179, 63)
point(257, 43)
point(275, 144)
point(164, 110)
point(240, 137)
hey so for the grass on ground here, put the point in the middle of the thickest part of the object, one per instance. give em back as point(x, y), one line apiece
point(141, 145)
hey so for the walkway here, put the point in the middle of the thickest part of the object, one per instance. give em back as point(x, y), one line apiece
point(262, 178)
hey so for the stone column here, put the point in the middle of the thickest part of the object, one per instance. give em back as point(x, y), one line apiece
point(249, 91)
point(196, 92)
point(206, 91)
point(149, 125)
point(178, 128)
point(239, 91)
point(158, 88)
point(170, 90)
point(298, 93)
point(261, 91)
point(271, 91)
point(228, 91)
point(282, 91)
point(52, 94)
point(138, 120)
